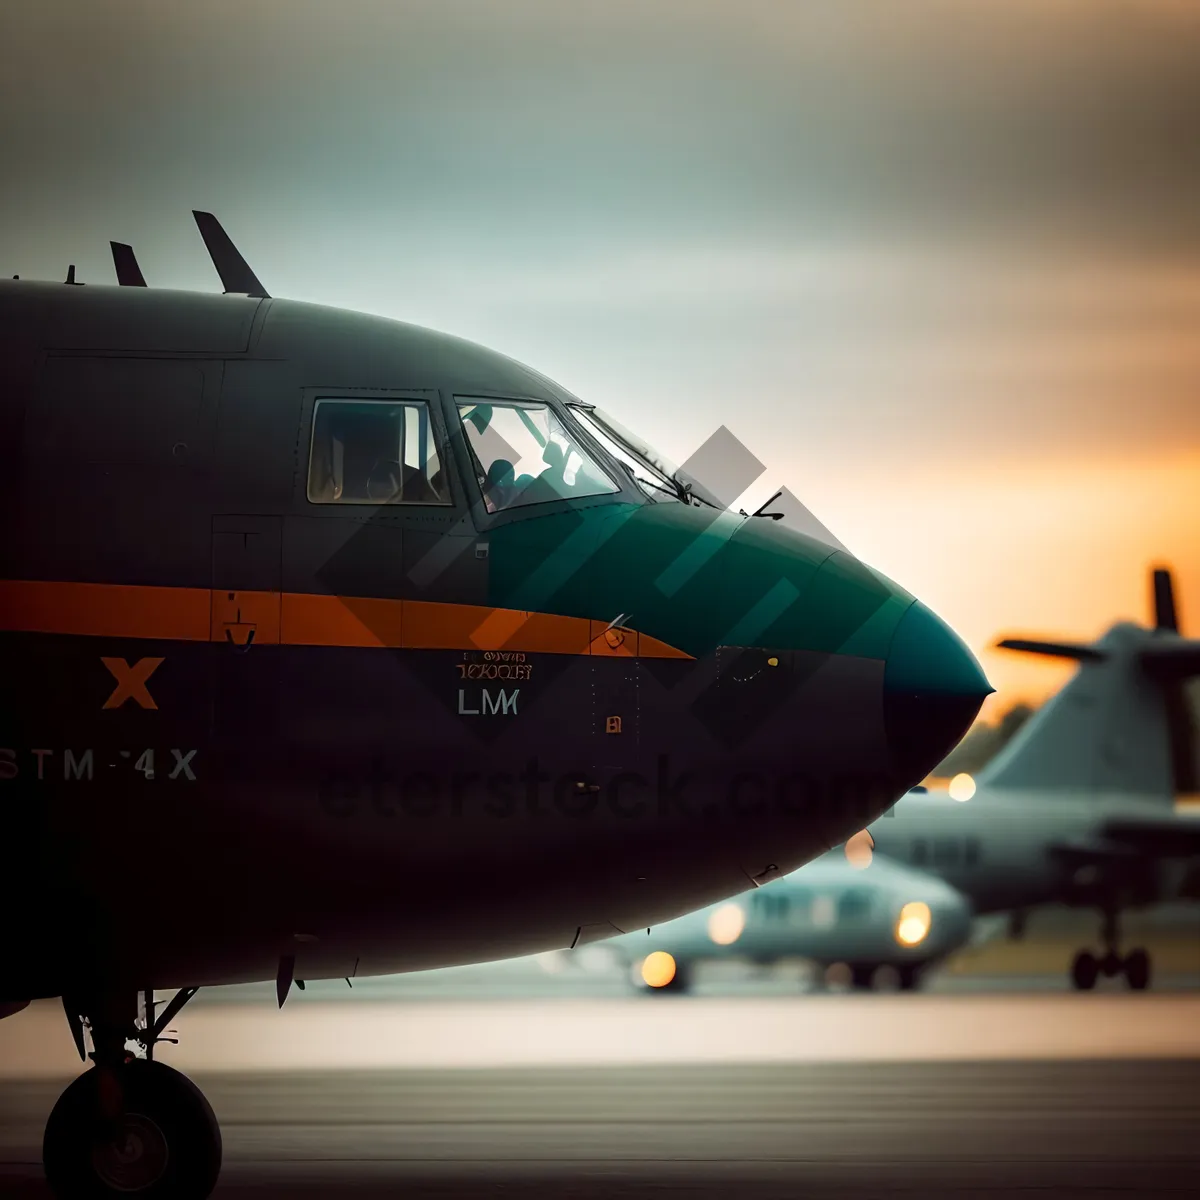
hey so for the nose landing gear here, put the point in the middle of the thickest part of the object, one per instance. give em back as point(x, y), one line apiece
point(1088, 967)
point(131, 1126)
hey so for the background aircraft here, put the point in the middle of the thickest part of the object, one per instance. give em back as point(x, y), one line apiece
point(308, 615)
point(1077, 808)
point(877, 917)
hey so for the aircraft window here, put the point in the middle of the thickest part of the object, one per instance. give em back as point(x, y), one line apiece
point(374, 452)
point(945, 852)
point(525, 455)
point(854, 904)
point(650, 471)
point(772, 905)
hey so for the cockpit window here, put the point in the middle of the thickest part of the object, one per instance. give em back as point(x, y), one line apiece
point(651, 472)
point(374, 452)
point(525, 455)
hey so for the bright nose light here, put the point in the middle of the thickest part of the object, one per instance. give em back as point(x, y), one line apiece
point(726, 923)
point(658, 969)
point(962, 787)
point(859, 849)
point(913, 926)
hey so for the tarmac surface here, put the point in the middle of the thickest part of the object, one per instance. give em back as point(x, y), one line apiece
point(791, 1130)
point(798, 1096)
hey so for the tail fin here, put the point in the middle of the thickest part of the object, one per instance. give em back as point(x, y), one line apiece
point(1121, 724)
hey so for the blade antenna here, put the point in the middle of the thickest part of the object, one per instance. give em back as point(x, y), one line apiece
point(129, 274)
point(233, 269)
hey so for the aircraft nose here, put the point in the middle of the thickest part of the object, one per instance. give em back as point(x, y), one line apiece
point(933, 689)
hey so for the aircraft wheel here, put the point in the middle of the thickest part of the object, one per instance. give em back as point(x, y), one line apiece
point(1137, 970)
point(862, 977)
point(1084, 971)
point(910, 977)
point(163, 1141)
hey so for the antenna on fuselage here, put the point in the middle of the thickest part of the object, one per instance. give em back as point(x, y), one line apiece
point(129, 274)
point(71, 276)
point(233, 269)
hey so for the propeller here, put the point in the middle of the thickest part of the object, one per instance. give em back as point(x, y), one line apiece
point(1165, 616)
point(1168, 659)
point(1180, 727)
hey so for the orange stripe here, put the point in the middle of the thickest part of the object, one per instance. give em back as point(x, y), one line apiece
point(105, 610)
point(302, 619)
point(310, 620)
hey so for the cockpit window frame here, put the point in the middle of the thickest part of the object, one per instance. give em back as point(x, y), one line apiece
point(666, 490)
point(438, 435)
point(627, 492)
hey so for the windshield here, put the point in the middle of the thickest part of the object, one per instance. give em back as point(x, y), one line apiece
point(524, 455)
point(652, 472)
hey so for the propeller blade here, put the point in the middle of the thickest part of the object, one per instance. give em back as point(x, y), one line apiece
point(1072, 650)
point(1165, 617)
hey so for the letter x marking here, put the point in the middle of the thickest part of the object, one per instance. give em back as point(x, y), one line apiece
point(131, 681)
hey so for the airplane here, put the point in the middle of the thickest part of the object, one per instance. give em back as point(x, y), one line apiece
point(847, 908)
point(1078, 808)
point(335, 646)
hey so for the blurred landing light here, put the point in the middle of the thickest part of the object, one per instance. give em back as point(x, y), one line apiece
point(962, 787)
point(838, 975)
point(824, 912)
point(859, 849)
point(913, 925)
point(726, 923)
point(658, 969)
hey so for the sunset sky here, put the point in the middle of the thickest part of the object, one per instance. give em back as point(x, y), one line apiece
point(937, 265)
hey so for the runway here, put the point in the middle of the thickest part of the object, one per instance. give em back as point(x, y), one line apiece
point(794, 1130)
point(804, 1096)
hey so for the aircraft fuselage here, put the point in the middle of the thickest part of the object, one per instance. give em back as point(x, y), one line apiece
point(247, 719)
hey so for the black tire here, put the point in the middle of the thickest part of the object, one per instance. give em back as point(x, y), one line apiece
point(1084, 971)
point(168, 1145)
point(910, 977)
point(862, 977)
point(1137, 970)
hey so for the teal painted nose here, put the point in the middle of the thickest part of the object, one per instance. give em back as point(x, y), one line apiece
point(933, 689)
point(928, 657)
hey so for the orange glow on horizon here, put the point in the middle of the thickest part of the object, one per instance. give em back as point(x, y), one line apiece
point(1042, 548)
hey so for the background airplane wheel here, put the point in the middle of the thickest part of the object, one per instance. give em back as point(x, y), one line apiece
point(862, 977)
point(167, 1142)
point(1137, 970)
point(1084, 971)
